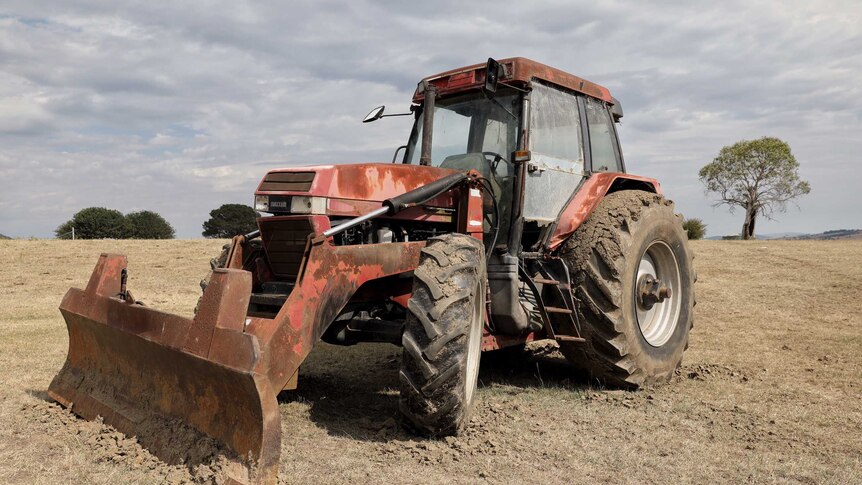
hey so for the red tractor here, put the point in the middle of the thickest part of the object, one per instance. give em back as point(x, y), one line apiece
point(507, 218)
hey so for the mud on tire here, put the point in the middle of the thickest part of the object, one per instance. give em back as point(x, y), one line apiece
point(442, 336)
point(603, 256)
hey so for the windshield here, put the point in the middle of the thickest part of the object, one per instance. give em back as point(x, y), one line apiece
point(469, 124)
point(473, 132)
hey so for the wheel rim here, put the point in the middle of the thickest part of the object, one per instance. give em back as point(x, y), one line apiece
point(474, 345)
point(657, 321)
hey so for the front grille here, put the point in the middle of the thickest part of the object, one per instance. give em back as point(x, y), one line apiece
point(287, 181)
point(285, 242)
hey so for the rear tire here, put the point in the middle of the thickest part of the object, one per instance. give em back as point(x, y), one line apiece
point(442, 337)
point(628, 344)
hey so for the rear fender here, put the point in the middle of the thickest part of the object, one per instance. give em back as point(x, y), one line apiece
point(588, 197)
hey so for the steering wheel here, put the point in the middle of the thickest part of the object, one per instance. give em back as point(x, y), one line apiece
point(495, 159)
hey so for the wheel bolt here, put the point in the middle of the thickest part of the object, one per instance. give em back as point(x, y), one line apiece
point(652, 291)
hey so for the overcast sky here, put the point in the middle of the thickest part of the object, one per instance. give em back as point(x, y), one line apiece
point(178, 108)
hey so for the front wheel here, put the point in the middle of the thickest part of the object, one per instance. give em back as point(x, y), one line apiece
point(443, 336)
point(633, 277)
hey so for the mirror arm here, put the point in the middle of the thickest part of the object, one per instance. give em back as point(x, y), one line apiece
point(395, 156)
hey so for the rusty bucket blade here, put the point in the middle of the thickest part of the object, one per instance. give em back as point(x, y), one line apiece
point(185, 388)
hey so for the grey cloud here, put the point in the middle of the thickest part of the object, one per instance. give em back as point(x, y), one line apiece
point(181, 107)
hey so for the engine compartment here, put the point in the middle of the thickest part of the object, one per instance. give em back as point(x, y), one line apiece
point(380, 231)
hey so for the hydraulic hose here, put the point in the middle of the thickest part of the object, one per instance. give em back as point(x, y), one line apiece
point(424, 193)
point(406, 200)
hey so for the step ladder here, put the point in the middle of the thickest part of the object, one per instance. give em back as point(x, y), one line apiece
point(554, 274)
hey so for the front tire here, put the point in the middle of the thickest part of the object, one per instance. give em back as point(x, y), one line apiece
point(442, 337)
point(635, 333)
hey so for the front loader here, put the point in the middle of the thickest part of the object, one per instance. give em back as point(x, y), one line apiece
point(507, 218)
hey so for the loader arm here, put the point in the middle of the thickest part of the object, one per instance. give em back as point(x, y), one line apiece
point(149, 373)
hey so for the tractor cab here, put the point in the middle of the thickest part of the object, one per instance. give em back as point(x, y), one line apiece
point(535, 134)
point(532, 131)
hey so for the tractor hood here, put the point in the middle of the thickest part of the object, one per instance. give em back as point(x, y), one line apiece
point(350, 189)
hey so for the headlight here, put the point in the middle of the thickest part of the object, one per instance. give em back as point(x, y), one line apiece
point(261, 203)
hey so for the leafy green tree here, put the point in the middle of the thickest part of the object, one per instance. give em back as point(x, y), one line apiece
point(761, 176)
point(695, 228)
point(147, 225)
point(230, 220)
point(94, 223)
point(64, 231)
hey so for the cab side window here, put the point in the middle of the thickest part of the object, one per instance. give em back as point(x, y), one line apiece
point(555, 130)
point(557, 153)
point(602, 138)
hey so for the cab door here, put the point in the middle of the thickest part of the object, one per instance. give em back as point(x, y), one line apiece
point(557, 156)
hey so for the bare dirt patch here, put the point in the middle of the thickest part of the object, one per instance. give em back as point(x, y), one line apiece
point(112, 447)
point(769, 390)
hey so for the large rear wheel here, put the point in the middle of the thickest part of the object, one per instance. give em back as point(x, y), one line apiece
point(633, 277)
point(443, 336)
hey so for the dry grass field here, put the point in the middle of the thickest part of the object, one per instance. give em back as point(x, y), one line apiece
point(770, 389)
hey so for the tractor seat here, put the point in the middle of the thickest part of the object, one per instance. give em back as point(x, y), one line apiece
point(469, 161)
point(501, 182)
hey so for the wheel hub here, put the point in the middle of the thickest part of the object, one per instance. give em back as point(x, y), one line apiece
point(652, 290)
point(656, 291)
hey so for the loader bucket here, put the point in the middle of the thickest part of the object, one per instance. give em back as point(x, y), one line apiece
point(185, 388)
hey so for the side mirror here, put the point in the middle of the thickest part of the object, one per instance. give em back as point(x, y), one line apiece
point(374, 115)
point(616, 110)
point(492, 74)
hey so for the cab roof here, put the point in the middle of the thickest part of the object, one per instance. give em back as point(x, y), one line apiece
point(519, 70)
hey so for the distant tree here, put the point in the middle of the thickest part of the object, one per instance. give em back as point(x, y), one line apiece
point(147, 225)
point(230, 220)
point(94, 223)
point(64, 231)
point(695, 228)
point(760, 176)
